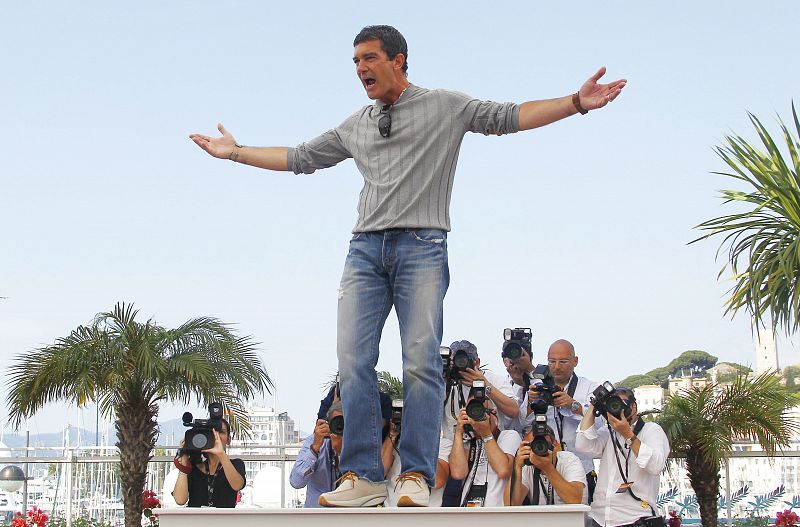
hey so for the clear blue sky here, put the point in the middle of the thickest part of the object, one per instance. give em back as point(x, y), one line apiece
point(578, 230)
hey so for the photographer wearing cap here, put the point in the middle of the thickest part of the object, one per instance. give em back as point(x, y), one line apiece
point(214, 481)
point(544, 474)
point(482, 455)
point(568, 404)
point(633, 453)
point(463, 370)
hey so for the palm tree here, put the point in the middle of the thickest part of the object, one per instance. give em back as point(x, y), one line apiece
point(127, 368)
point(702, 423)
point(390, 385)
point(763, 241)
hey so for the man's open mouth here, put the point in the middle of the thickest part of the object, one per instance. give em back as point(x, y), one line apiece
point(368, 82)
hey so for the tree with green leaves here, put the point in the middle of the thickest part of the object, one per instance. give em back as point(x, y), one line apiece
point(702, 424)
point(763, 241)
point(390, 385)
point(127, 368)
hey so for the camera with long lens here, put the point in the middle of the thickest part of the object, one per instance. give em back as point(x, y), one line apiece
point(460, 360)
point(606, 401)
point(543, 381)
point(397, 414)
point(475, 408)
point(516, 341)
point(539, 445)
point(201, 434)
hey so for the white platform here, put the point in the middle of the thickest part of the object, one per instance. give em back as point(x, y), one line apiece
point(541, 515)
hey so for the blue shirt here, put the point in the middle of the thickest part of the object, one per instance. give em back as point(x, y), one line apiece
point(315, 472)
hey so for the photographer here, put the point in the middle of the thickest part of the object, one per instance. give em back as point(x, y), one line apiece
point(482, 456)
point(317, 463)
point(213, 482)
point(557, 477)
point(633, 453)
point(569, 403)
point(464, 369)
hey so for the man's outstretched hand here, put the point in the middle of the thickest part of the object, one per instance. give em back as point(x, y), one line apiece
point(220, 147)
point(593, 95)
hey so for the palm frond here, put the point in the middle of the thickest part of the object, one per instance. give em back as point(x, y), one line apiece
point(763, 243)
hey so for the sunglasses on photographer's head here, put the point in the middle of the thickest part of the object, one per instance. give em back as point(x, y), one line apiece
point(385, 121)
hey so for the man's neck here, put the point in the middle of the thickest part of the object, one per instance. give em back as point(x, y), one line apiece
point(397, 90)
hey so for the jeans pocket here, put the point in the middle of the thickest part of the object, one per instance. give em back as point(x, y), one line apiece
point(430, 236)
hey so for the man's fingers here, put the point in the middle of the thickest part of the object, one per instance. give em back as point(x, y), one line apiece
point(600, 73)
point(222, 129)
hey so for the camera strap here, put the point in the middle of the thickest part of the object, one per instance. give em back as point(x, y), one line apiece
point(210, 478)
point(538, 486)
point(618, 450)
point(475, 449)
point(571, 387)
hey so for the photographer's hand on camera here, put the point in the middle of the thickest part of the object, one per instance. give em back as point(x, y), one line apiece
point(321, 431)
point(625, 430)
point(563, 400)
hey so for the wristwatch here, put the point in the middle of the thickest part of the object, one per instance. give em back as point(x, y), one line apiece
point(575, 406)
point(630, 440)
point(488, 390)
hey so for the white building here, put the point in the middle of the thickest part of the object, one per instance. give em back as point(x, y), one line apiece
point(649, 397)
point(766, 351)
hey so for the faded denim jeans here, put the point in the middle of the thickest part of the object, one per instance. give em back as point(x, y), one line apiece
point(407, 269)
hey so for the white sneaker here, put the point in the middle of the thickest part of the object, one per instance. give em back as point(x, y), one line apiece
point(414, 490)
point(353, 491)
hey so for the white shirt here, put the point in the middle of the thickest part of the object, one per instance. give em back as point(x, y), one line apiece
point(570, 468)
point(445, 445)
point(509, 442)
point(499, 382)
point(610, 508)
point(572, 421)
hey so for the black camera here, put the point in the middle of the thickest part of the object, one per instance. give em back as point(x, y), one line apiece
point(475, 408)
point(606, 401)
point(543, 381)
point(539, 444)
point(516, 341)
point(201, 434)
point(336, 425)
point(397, 414)
point(459, 360)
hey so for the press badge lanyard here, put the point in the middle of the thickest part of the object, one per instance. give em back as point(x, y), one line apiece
point(624, 475)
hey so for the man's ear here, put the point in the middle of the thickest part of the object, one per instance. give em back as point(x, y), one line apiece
point(399, 60)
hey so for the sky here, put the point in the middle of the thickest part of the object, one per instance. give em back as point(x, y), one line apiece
point(578, 230)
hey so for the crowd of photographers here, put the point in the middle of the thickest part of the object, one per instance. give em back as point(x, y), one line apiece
point(529, 436)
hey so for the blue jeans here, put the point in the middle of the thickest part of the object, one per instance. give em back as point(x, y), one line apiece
point(407, 269)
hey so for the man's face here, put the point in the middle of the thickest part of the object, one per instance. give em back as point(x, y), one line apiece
point(561, 360)
point(375, 69)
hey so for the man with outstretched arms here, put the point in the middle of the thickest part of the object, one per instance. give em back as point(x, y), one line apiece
point(405, 146)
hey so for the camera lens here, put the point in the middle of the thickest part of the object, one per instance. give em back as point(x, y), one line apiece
point(539, 446)
point(336, 425)
point(513, 351)
point(615, 406)
point(476, 411)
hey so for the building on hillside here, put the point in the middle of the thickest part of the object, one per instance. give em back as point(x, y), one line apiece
point(687, 382)
point(649, 397)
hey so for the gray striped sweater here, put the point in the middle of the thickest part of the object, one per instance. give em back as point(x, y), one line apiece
point(408, 176)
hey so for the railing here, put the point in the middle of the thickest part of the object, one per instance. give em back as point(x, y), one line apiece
point(83, 482)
